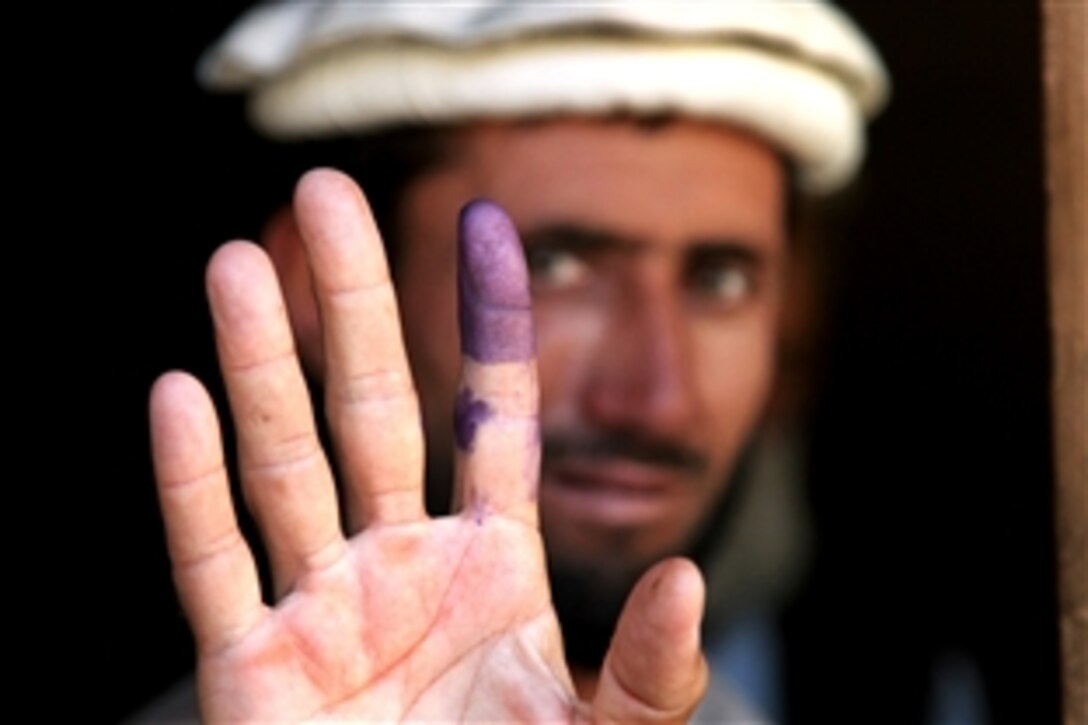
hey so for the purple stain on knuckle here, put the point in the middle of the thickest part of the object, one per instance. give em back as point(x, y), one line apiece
point(480, 512)
point(469, 412)
point(494, 309)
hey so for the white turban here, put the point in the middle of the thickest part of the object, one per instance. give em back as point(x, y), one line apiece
point(797, 73)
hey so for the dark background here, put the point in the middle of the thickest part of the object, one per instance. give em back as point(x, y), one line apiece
point(930, 454)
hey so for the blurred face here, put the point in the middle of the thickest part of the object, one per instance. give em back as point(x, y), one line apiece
point(657, 257)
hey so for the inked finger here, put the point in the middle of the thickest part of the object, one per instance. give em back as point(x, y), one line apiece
point(370, 401)
point(495, 412)
point(213, 567)
point(285, 475)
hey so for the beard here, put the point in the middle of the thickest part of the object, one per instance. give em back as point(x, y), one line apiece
point(589, 593)
point(588, 597)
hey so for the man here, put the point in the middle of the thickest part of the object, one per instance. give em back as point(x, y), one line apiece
point(647, 169)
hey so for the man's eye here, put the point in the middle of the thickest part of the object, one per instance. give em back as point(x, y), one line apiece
point(555, 267)
point(726, 283)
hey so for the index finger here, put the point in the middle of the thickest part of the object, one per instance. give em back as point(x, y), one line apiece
point(495, 413)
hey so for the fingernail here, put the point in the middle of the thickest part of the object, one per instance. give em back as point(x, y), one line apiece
point(493, 280)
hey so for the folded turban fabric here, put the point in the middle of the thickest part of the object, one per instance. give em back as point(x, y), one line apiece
point(798, 73)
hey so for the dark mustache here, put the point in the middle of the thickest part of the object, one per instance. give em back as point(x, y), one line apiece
point(605, 446)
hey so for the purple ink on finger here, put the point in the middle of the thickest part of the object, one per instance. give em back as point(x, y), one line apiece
point(495, 309)
point(469, 412)
point(480, 511)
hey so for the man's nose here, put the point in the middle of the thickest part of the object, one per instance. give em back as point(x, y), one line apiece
point(643, 375)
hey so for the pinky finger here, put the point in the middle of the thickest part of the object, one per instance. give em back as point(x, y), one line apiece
point(213, 567)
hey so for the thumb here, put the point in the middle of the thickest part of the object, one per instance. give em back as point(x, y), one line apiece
point(655, 670)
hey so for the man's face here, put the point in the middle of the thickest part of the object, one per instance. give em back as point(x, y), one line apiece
point(657, 258)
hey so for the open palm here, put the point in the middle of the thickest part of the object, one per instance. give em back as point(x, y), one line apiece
point(408, 617)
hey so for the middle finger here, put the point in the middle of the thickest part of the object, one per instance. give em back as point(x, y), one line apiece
point(370, 399)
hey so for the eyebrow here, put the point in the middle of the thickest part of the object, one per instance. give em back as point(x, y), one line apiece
point(588, 238)
point(593, 239)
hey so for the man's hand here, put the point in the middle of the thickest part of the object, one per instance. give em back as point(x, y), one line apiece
point(409, 617)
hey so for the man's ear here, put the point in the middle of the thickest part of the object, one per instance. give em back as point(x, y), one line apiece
point(283, 242)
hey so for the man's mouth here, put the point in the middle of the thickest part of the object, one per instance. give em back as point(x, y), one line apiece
point(616, 483)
